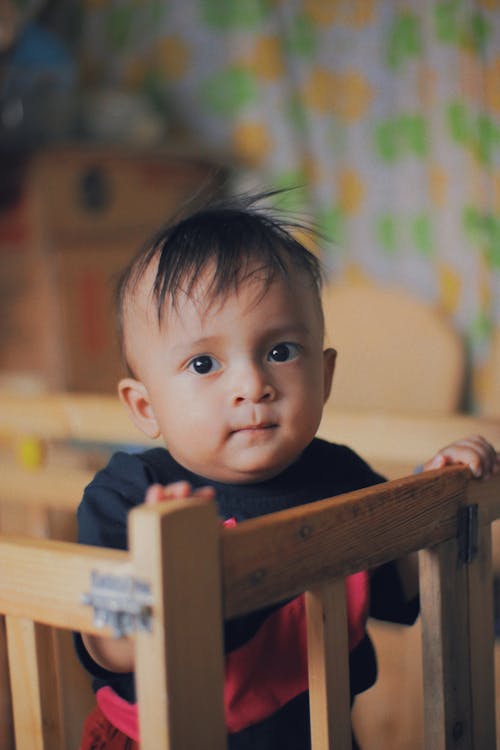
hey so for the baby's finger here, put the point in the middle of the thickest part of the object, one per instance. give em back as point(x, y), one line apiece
point(207, 493)
point(158, 493)
point(436, 462)
point(485, 456)
point(154, 494)
point(475, 452)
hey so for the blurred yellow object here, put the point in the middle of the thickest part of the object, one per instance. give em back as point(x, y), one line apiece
point(30, 452)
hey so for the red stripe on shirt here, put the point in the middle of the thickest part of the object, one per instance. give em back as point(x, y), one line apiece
point(266, 672)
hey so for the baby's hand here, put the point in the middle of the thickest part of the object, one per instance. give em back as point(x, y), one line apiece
point(473, 451)
point(158, 493)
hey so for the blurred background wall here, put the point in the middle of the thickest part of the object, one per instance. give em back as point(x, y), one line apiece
point(385, 114)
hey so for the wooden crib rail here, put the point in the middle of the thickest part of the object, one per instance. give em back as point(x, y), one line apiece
point(198, 573)
point(310, 549)
point(46, 578)
point(277, 556)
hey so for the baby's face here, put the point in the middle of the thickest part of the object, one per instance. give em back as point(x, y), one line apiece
point(235, 390)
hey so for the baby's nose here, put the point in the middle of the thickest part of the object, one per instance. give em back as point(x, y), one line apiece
point(253, 385)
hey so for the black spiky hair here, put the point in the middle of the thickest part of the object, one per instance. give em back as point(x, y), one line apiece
point(236, 238)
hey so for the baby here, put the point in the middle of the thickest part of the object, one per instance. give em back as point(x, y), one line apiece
point(222, 331)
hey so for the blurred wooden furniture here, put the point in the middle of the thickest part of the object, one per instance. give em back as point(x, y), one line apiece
point(488, 398)
point(397, 441)
point(396, 444)
point(82, 213)
point(396, 353)
point(181, 546)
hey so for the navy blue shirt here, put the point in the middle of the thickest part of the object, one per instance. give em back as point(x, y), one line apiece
point(323, 470)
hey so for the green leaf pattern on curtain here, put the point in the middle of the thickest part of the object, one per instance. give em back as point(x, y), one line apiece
point(386, 114)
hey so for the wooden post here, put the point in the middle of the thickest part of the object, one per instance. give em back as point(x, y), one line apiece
point(328, 656)
point(6, 720)
point(481, 642)
point(446, 667)
point(180, 663)
point(37, 719)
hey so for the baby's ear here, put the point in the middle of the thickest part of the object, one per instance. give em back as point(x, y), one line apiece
point(329, 359)
point(134, 395)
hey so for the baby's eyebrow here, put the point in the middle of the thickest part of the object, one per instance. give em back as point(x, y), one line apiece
point(287, 330)
point(200, 344)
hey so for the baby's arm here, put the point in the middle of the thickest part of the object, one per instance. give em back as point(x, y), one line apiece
point(117, 654)
point(483, 461)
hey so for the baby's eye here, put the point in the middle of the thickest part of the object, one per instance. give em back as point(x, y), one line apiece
point(283, 352)
point(204, 364)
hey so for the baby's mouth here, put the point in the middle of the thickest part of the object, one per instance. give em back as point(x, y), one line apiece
point(254, 427)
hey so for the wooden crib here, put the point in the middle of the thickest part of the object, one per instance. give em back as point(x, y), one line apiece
point(225, 572)
point(231, 571)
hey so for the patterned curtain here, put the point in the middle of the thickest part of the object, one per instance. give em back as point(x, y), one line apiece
point(386, 112)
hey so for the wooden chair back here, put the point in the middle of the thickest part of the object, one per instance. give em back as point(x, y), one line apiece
point(180, 548)
point(488, 391)
point(396, 353)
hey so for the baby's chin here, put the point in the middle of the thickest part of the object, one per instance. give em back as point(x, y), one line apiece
point(250, 473)
point(247, 464)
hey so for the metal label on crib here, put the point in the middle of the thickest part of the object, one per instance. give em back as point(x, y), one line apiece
point(122, 603)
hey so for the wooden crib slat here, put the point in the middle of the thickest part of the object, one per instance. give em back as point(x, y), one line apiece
point(458, 643)
point(446, 668)
point(6, 720)
point(37, 718)
point(481, 642)
point(327, 649)
point(180, 664)
point(75, 703)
